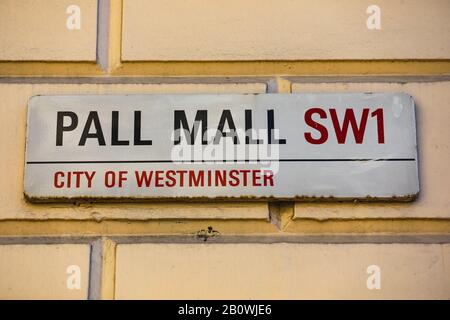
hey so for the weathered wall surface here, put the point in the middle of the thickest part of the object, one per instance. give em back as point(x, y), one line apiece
point(298, 30)
point(297, 271)
point(240, 249)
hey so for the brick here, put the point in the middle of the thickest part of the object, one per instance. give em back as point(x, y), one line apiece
point(12, 138)
point(280, 271)
point(36, 30)
point(40, 271)
point(434, 155)
point(287, 30)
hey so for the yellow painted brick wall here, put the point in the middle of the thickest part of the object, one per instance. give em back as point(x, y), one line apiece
point(238, 249)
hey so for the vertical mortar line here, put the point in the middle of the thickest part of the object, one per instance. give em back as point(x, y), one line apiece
point(277, 210)
point(115, 34)
point(95, 270)
point(279, 85)
point(103, 17)
point(108, 274)
point(102, 269)
point(284, 85)
point(286, 210)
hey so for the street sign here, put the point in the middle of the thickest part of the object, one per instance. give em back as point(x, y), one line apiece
point(342, 146)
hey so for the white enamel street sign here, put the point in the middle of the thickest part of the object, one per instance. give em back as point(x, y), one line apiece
point(252, 146)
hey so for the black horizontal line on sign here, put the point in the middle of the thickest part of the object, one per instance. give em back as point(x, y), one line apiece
point(217, 161)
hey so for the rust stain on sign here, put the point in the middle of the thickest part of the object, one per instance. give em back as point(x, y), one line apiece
point(271, 147)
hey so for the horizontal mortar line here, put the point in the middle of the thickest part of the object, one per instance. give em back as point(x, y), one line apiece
point(214, 80)
point(137, 79)
point(418, 238)
point(218, 161)
point(288, 239)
